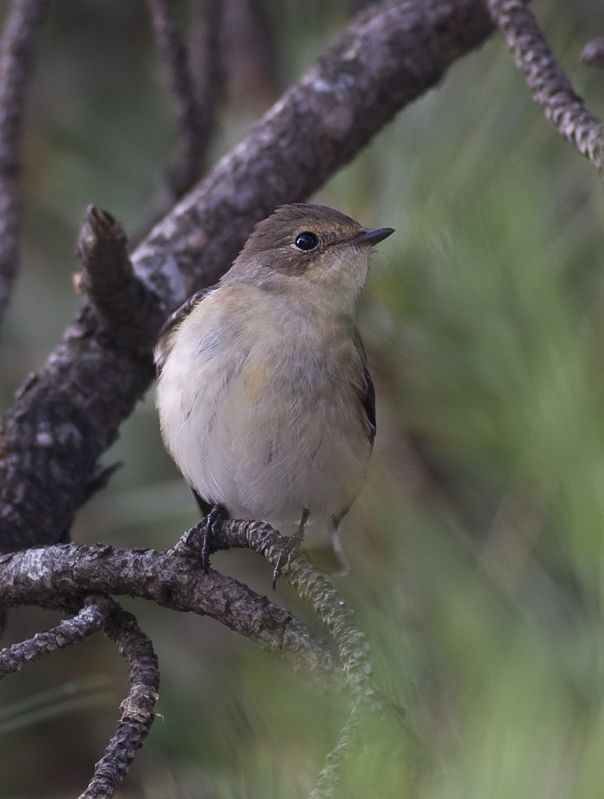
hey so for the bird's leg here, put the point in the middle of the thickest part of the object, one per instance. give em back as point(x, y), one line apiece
point(291, 547)
point(214, 517)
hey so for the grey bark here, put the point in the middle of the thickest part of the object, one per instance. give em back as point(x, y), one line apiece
point(50, 576)
point(138, 708)
point(550, 87)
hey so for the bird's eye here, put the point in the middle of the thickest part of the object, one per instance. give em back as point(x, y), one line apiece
point(306, 241)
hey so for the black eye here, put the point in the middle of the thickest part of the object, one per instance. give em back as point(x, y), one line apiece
point(306, 241)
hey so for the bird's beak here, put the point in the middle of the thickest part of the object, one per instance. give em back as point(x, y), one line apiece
point(372, 236)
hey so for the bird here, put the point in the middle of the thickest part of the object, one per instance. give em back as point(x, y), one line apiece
point(264, 396)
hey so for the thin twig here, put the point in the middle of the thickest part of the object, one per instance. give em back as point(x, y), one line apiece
point(353, 648)
point(17, 47)
point(550, 87)
point(69, 631)
point(196, 78)
point(137, 708)
point(207, 66)
point(189, 114)
point(128, 308)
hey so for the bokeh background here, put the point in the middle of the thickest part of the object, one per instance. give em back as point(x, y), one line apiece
point(476, 547)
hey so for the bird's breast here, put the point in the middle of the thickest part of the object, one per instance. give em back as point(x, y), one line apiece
point(260, 409)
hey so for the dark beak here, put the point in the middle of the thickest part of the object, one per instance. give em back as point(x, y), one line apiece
point(372, 236)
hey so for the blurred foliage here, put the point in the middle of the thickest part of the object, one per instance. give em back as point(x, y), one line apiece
point(476, 547)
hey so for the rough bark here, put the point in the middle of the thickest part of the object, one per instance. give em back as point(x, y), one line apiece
point(550, 87)
point(69, 412)
point(138, 708)
point(87, 620)
point(127, 310)
point(48, 577)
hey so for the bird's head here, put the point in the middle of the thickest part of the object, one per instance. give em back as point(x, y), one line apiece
point(305, 247)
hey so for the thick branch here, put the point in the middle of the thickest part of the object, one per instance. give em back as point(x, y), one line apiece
point(550, 87)
point(47, 577)
point(125, 306)
point(17, 48)
point(69, 412)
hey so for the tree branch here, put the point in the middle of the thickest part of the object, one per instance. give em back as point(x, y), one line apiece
point(207, 66)
point(48, 577)
point(100, 611)
point(17, 47)
point(69, 412)
point(58, 576)
point(137, 708)
point(550, 87)
point(353, 648)
point(126, 307)
point(190, 113)
point(88, 620)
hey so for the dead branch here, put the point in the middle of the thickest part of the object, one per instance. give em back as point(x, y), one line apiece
point(17, 48)
point(137, 708)
point(88, 620)
point(196, 79)
point(126, 307)
point(207, 66)
point(550, 87)
point(50, 576)
point(101, 612)
point(173, 51)
point(56, 576)
point(68, 413)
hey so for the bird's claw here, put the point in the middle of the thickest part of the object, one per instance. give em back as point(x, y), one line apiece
point(288, 551)
point(210, 522)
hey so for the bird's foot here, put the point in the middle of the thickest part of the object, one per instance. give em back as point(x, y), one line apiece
point(210, 523)
point(198, 540)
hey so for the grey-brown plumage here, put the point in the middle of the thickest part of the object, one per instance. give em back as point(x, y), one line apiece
point(265, 400)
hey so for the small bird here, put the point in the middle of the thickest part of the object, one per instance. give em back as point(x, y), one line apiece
point(264, 397)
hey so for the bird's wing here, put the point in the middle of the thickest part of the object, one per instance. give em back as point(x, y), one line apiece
point(367, 393)
point(165, 340)
point(367, 400)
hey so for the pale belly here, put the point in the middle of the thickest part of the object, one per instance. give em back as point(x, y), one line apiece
point(266, 436)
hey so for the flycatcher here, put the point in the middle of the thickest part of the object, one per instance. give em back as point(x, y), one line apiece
point(264, 396)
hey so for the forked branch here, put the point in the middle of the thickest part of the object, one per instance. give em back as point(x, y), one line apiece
point(101, 612)
point(175, 578)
